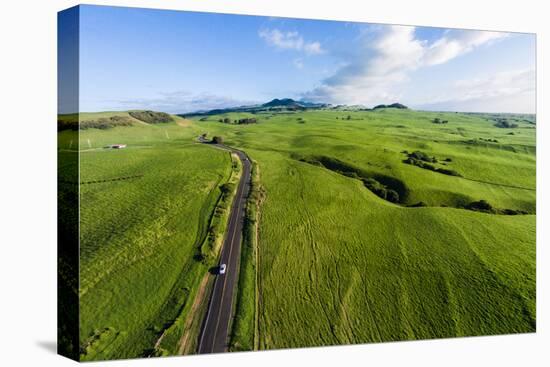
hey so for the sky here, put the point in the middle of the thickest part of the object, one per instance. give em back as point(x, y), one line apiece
point(177, 62)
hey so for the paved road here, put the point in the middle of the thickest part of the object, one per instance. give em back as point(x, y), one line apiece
point(214, 333)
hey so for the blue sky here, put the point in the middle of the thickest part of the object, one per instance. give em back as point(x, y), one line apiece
point(177, 61)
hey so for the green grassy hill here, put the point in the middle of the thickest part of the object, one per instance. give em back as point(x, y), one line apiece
point(338, 264)
point(144, 213)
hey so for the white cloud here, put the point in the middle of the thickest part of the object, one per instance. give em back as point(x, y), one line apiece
point(313, 48)
point(376, 74)
point(456, 43)
point(510, 91)
point(290, 41)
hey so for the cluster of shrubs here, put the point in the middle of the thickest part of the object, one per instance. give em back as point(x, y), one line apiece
point(485, 207)
point(378, 188)
point(513, 212)
point(213, 232)
point(106, 122)
point(227, 188)
point(348, 117)
point(381, 190)
point(151, 117)
point(478, 142)
point(100, 123)
point(244, 121)
point(422, 160)
point(480, 206)
point(249, 120)
point(418, 155)
point(505, 124)
point(437, 120)
point(489, 140)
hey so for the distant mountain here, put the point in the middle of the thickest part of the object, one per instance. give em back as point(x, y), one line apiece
point(289, 105)
point(275, 105)
point(393, 105)
point(285, 102)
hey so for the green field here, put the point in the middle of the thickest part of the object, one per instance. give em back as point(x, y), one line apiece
point(338, 264)
point(144, 215)
point(335, 263)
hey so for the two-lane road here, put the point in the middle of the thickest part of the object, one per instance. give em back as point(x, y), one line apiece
point(215, 329)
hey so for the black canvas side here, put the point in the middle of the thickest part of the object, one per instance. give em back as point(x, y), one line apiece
point(68, 184)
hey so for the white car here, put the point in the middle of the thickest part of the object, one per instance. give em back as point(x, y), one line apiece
point(222, 269)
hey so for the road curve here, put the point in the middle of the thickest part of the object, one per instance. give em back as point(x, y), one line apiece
point(215, 328)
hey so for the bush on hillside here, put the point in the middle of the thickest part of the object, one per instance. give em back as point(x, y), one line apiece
point(217, 140)
point(151, 117)
point(505, 124)
point(381, 190)
point(422, 160)
point(481, 205)
point(422, 156)
point(448, 172)
point(246, 121)
point(513, 212)
point(100, 123)
point(226, 188)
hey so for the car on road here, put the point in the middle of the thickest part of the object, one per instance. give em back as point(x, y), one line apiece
point(222, 268)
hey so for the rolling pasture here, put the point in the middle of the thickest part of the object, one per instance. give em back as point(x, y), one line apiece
point(144, 213)
point(354, 245)
point(339, 264)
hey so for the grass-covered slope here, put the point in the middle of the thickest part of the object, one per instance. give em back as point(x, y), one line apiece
point(347, 267)
point(338, 264)
point(339, 258)
point(144, 213)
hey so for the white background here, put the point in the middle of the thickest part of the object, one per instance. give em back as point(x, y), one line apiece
point(28, 182)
